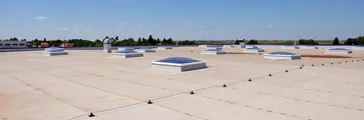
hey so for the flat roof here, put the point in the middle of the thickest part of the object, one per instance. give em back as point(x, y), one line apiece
point(33, 86)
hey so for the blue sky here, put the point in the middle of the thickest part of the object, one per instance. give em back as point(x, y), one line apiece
point(182, 19)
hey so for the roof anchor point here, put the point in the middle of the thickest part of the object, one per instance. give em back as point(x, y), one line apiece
point(91, 115)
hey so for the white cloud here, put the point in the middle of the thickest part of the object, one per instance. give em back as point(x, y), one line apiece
point(189, 24)
point(139, 25)
point(271, 26)
point(88, 29)
point(200, 26)
point(40, 17)
point(62, 29)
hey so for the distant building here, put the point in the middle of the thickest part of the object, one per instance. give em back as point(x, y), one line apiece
point(13, 44)
point(66, 44)
point(44, 44)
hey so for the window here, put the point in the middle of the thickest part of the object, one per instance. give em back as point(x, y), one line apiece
point(1, 44)
point(14, 44)
point(7, 44)
point(21, 44)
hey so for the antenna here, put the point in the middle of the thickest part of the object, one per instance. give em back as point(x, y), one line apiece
point(295, 42)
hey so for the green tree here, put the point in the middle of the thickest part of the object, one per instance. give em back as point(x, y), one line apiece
point(139, 42)
point(355, 41)
point(97, 41)
point(170, 41)
point(144, 42)
point(158, 41)
point(92, 44)
point(307, 42)
point(186, 42)
point(151, 40)
point(13, 39)
point(164, 41)
point(44, 40)
point(57, 42)
point(237, 42)
point(360, 40)
point(336, 41)
point(252, 41)
point(116, 43)
point(80, 42)
point(36, 42)
point(128, 42)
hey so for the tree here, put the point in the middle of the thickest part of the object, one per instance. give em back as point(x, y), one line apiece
point(44, 40)
point(158, 41)
point(128, 42)
point(13, 39)
point(144, 42)
point(36, 42)
point(237, 42)
point(336, 41)
point(80, 42)
point(355, 41)
point(117, 38)
point(92, 45)
point(151, 41)
point(252, 41)
point(57, 42)
point(164, 41)
point(98, 43)
point(170, 41)
point(307, 42)
point(360, 40)
point(139, 42)
point(186, 42)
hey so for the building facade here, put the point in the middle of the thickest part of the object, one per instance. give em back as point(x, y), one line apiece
point(13, 44)
point(66, 44)
point(44, 44)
